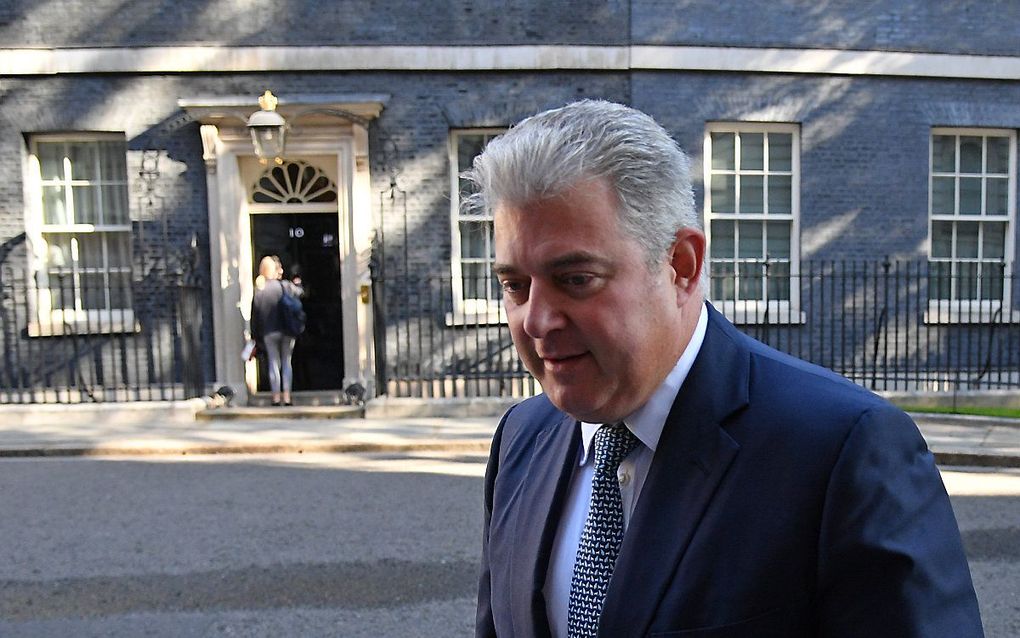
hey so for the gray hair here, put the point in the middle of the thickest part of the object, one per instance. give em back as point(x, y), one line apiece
point(547, 153)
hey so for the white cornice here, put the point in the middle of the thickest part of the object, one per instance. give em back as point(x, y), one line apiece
point(222, 59)
point(827, 61)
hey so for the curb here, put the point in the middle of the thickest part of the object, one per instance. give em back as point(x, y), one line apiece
point(952, 459)
point(253, 448)
point(277, 412)
point(976, 460)
point(931, 418)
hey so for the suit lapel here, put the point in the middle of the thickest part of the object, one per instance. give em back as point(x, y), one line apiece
point(692, 457)
point(552, 464)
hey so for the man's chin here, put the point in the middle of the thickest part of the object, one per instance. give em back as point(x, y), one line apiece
point(583, 408)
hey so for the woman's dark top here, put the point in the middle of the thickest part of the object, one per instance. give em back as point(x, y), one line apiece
point(265, 307)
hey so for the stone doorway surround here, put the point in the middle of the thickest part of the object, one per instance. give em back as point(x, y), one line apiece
point(227, 148)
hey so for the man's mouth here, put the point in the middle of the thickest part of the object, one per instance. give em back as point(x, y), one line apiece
point(556, 362)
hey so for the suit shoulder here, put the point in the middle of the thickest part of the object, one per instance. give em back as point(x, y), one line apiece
point(807, 383)
point(528, 417)
point(793, 393)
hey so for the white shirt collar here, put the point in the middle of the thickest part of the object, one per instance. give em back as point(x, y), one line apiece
point(646, 422)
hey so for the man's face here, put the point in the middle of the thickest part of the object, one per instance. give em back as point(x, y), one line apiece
point(595, 326)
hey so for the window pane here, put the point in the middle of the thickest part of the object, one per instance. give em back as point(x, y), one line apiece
point(472, 239)
point(120, 291)
point(752, 194)
point(51, 159)
point(967, 240)
point(993, 241)
point(998, 155)
point(779, 281)
point(992, 280)
point(943, 196)
point(115, 204)
point(86, 210)
point(118, 250)
point(966, 280)
point(942, 239)
point(475, 276)
point(780, 152)
point(84, 160)
point(749, 241)
point(467, 207)
point(778, 240)
point(112, 161)
point(61, 290)
point(970, 154)
point(939, 280)
point(54, 205)
point(58, 251)
point(722, 239)
point(93, 291)
point(468, 146)
point(943, 153)
point(90, 251)
point(723, 280)
point(495, 289)
point(996, 192)
point(752, 151)
point(751, 277)
point(723, 197)
point(722, 151)
point(780, 195)
point(970, 195)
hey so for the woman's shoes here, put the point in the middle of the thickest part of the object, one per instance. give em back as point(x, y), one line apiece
point(287, 403)
point(276, 404)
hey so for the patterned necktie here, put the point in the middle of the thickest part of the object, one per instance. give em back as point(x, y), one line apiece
point(602, 535)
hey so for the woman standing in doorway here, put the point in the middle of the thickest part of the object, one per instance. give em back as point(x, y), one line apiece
point(267, 325)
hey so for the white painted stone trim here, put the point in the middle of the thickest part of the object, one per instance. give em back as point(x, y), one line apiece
point(222, 59)
point(826, 61)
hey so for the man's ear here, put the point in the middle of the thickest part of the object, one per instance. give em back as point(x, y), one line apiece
point(687, 258)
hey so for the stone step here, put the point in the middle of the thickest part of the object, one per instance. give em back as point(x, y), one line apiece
point(282, 412)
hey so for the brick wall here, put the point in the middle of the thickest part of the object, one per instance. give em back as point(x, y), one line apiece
point(864, 140)
point(25, 23)
point(965, 26)
point(864, 144)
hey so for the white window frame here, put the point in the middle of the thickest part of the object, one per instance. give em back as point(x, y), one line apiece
point(45, 319)
point(467, 311)
point(757, 311)
point(954, 310)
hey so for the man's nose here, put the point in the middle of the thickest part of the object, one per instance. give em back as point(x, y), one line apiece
point(543, 314)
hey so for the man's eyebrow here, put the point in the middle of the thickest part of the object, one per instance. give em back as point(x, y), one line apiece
point(578, 258)
point(503, 269)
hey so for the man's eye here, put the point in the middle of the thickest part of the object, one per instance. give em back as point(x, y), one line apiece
point(578, 280)
point(513, 289)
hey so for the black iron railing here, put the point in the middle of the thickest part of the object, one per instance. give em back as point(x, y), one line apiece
point(886, 325)
point(71, 337)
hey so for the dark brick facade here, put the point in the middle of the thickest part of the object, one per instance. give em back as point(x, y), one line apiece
point(104, 23)
point(986, 27)
point(963, 26)
point(864, 139)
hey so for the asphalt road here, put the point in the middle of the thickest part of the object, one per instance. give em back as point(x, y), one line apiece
point(308, 545)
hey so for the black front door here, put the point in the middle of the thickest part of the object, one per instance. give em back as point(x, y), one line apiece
point(307, 244)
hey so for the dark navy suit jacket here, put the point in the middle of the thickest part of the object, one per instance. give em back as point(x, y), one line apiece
point(782, 500)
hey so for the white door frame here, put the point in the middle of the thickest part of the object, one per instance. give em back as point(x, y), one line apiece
point(230, 244)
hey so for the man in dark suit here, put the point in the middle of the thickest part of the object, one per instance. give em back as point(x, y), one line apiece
point(678, 478)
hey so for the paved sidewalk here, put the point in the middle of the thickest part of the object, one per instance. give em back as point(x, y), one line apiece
point(955, 440)
point(255, 435)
